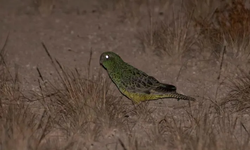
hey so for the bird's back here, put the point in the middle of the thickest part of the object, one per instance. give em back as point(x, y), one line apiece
point(137, 85)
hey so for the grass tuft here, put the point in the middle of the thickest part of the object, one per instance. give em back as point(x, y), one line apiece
point(82, 108)
point(239, 96)
point(20, 126)
point(226, 25)
point(172, 39)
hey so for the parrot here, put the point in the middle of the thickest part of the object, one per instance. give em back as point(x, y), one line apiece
point(135, 84)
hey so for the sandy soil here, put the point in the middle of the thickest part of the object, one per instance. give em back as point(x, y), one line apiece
point(73, 30)
point(70, 37)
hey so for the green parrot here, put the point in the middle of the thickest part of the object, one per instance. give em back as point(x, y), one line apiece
point(135, 84)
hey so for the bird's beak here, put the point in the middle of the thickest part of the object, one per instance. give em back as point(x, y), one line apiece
point(101, 63)
point(101, 60)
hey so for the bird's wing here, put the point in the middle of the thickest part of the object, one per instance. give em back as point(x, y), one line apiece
point(163, 89)
point(140, 82)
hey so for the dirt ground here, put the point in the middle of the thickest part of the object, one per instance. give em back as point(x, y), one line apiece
point(75, 28)
point(70, 37)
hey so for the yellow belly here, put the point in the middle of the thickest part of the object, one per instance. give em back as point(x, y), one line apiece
point(139, 97)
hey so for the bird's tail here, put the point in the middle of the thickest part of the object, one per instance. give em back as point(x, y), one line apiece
point(178, 96)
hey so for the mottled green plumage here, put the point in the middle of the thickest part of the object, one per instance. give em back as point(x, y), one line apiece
point(135, 84)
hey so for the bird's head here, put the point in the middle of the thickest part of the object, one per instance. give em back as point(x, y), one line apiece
point(110, 60)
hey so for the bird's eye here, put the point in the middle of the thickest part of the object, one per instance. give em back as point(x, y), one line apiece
point(107, 56)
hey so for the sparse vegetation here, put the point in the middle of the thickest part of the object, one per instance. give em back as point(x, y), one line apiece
point(171, 39)
point(78, 111)
point(227, 24)
point(82, 108)
point(238, 99)
point(224, 23)
point(21, 127)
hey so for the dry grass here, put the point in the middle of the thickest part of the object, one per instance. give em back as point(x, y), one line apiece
point(172, 39)
point(83, 109)
point(76, 111)
point(210, 124)
point(157, 30)
point(225, 24)
point(204, 24)
point(204, 127)
point(20, 127)
point(200, 127)
point(167, 33)
point(238, 99)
